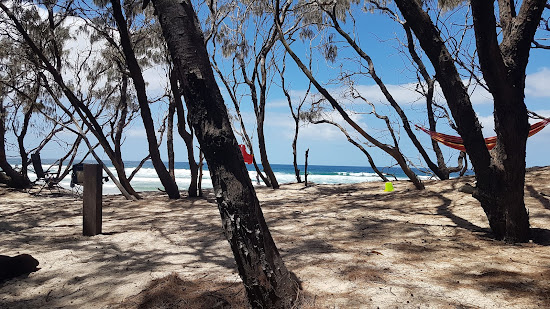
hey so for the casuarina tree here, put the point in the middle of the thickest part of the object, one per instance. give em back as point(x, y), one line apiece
point(503, 46)
point(267, 281)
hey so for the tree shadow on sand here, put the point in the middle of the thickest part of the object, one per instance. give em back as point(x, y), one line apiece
point(109, 260)
point(489, 280)
point(539, 196)
point(341, 234)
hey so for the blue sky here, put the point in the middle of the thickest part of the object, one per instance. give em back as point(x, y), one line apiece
point(378, 36)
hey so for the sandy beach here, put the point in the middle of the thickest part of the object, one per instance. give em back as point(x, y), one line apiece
point(352, 246)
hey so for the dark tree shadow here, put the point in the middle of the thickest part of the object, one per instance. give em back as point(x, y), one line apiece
point(545, 202)
point(443, 210)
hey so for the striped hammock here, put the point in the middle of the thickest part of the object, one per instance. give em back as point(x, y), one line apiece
point(457, 143)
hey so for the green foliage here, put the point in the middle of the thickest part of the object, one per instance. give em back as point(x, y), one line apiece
point(447, 5)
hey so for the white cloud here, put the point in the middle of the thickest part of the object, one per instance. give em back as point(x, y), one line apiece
point(488, 124)
point(139, 133)
point(478, 95)
point(538, 84)
point(543, 113)
point(156, 78)
point(278, 103)
point(404, 93)
point(79, 50)
point(282, 125)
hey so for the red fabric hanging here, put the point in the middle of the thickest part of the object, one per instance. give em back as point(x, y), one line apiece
point(246, 156)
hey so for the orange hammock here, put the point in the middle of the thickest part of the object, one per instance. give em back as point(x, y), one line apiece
point(457, 143)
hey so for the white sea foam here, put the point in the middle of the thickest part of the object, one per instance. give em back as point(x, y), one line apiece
point(146, 179)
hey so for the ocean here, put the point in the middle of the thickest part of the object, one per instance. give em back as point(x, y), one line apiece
point(146, 179)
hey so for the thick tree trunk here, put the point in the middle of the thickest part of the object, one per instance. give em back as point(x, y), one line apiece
point(504, 73)
point(266, 279)
point(500, 175)
point(139, 83)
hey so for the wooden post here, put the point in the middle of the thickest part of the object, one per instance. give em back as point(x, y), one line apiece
point(91, 211)
point(201, 158)
point(305, 172)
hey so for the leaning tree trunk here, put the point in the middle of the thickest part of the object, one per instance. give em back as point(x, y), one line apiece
point(296, 117)
point(16, 179)
point(139, 83)
point(244, 135)
point(356, 144)
point(21, 142)
point(501, 174)
point(260, 115)
point(259, 111)
point(266, 279)
point(170, 138)
point(194, 189)
point(263, 156)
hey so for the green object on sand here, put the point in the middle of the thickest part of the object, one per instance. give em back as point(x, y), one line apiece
point(389, 187)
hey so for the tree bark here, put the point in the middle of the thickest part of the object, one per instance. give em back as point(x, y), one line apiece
point(305, 167)
point(170, 139)
point(294, 153)
point(123, 107)
point(445, 171)
point(16, 179)
point(193, 190)
point(266, 279)
point(135, 71)
point(21, 143)
point(260, 115)
point(500, 175)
